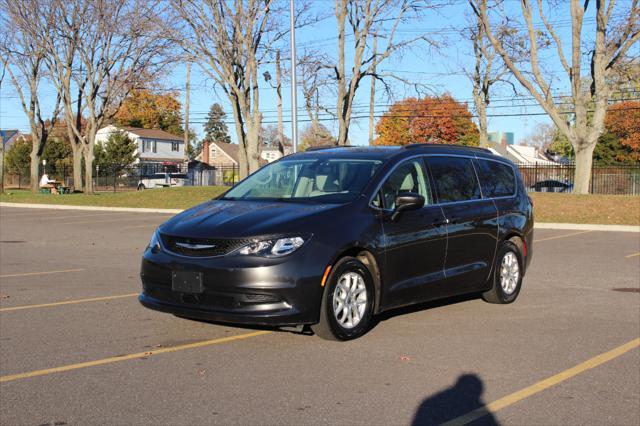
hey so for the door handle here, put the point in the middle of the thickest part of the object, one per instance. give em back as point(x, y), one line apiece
point(439, 222)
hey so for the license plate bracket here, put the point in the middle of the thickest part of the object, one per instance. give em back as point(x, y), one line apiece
point(187, 281)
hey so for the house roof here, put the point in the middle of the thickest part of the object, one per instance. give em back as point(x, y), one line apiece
point(7, 135)
point(153, 134)
point(231, 149)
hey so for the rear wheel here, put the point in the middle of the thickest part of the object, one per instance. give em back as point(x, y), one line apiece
point(141, 187)
point(347, 302)
point(507, 275)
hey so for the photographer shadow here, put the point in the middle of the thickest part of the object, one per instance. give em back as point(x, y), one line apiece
point(463, 397)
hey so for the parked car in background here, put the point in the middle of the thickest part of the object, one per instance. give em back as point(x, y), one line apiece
point(551, 186)
point(162, 180)
point(331, 237)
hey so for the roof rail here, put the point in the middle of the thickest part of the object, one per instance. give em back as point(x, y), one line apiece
point(436, 145)
point(323, 147)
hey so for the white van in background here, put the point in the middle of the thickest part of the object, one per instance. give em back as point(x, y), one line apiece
point(162, 180)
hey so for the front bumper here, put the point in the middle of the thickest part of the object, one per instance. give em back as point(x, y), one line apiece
point(275, 292)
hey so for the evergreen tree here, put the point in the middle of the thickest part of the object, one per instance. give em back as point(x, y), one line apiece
point(117, 153)
point(17, 159)
point(215, 128)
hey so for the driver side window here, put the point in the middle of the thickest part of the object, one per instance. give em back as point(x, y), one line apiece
point(410, 176)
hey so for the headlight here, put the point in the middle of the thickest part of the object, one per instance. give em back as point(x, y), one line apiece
point(154, 243)
point(272, 248)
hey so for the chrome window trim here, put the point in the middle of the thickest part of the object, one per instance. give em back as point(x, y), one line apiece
point(471, 157)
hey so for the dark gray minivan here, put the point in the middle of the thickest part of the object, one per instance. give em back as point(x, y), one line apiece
point(331, 237)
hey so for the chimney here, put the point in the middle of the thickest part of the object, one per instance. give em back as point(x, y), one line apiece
point(205, 151)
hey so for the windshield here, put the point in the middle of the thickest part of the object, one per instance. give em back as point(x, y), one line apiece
point(316, 180)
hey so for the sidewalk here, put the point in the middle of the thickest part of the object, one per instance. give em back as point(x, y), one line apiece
point(538, 225)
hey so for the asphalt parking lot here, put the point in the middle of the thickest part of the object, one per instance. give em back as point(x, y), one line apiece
point(77, 348)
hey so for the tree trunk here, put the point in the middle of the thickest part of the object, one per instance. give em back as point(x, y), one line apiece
point(76, 149)
point(35, 170)
point(253, 140)
point(88, 169)
point(584, 161)
point(343, 132)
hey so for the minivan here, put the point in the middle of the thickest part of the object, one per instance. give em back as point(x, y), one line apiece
point(332, 237)
point(162, 180)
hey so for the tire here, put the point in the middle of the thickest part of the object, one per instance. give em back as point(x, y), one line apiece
point(507, 278)
point(141, 187)
point(350, 273)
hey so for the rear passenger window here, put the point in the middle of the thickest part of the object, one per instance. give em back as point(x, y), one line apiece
point(454, 178)
point(497, 179)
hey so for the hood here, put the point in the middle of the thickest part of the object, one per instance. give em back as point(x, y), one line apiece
point(240, 219)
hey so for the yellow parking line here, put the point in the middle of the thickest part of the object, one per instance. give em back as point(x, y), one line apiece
point(128, 357)
point(543, 384)
point(27, 274)
point(67, 302)
point(633, 255)
point(560, 236)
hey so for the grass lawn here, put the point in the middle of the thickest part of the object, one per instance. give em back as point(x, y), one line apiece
point(164, 198)
point(549, 207)
point(600, 209)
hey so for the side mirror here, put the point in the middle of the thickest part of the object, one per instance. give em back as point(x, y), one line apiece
point(407, 201)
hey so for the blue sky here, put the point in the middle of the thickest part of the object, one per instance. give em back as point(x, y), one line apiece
point(438, 69)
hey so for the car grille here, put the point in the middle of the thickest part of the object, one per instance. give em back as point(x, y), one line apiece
point(201, 247)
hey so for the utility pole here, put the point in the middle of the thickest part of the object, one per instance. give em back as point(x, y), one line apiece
point(186, 115)
point(372, 97)
point(279, 94)
point(294, 89)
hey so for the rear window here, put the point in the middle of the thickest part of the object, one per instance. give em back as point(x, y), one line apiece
point(497, 179)
point(454, 178)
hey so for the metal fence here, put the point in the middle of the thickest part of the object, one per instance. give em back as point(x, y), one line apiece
point(612, 179)
point(616, 179)
point(131, 178)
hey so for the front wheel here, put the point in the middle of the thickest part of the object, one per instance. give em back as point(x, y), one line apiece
point(347, 302)
point(507, 275)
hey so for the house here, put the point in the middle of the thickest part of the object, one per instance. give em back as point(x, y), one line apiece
point(271, 153)
point(501, 143)
point(155, 146)
point(9, 137)
point(219, 154)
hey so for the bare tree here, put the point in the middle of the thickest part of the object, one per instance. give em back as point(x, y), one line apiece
point(104, 50)
point(363, 19)
point(609, 43)
point(231, 43)
point(25, 55)
point(542, 135)
point(315, 80)
point(488, 69)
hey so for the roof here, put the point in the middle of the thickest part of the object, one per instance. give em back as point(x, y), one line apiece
point(153, 134)
point(525, 155)
point(231, 149)
point(7, 135)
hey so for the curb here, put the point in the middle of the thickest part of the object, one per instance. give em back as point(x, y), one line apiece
point(90, 208)
point(538, 225)
point(588, 227)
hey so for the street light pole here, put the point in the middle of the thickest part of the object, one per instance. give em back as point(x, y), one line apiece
point(294, 92)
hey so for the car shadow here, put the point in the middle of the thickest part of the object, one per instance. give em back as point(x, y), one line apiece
point(461, 398)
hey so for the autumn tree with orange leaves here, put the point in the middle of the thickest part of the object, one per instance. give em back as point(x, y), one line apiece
point(143, 108)
point(623, 121)
point(439, 120)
